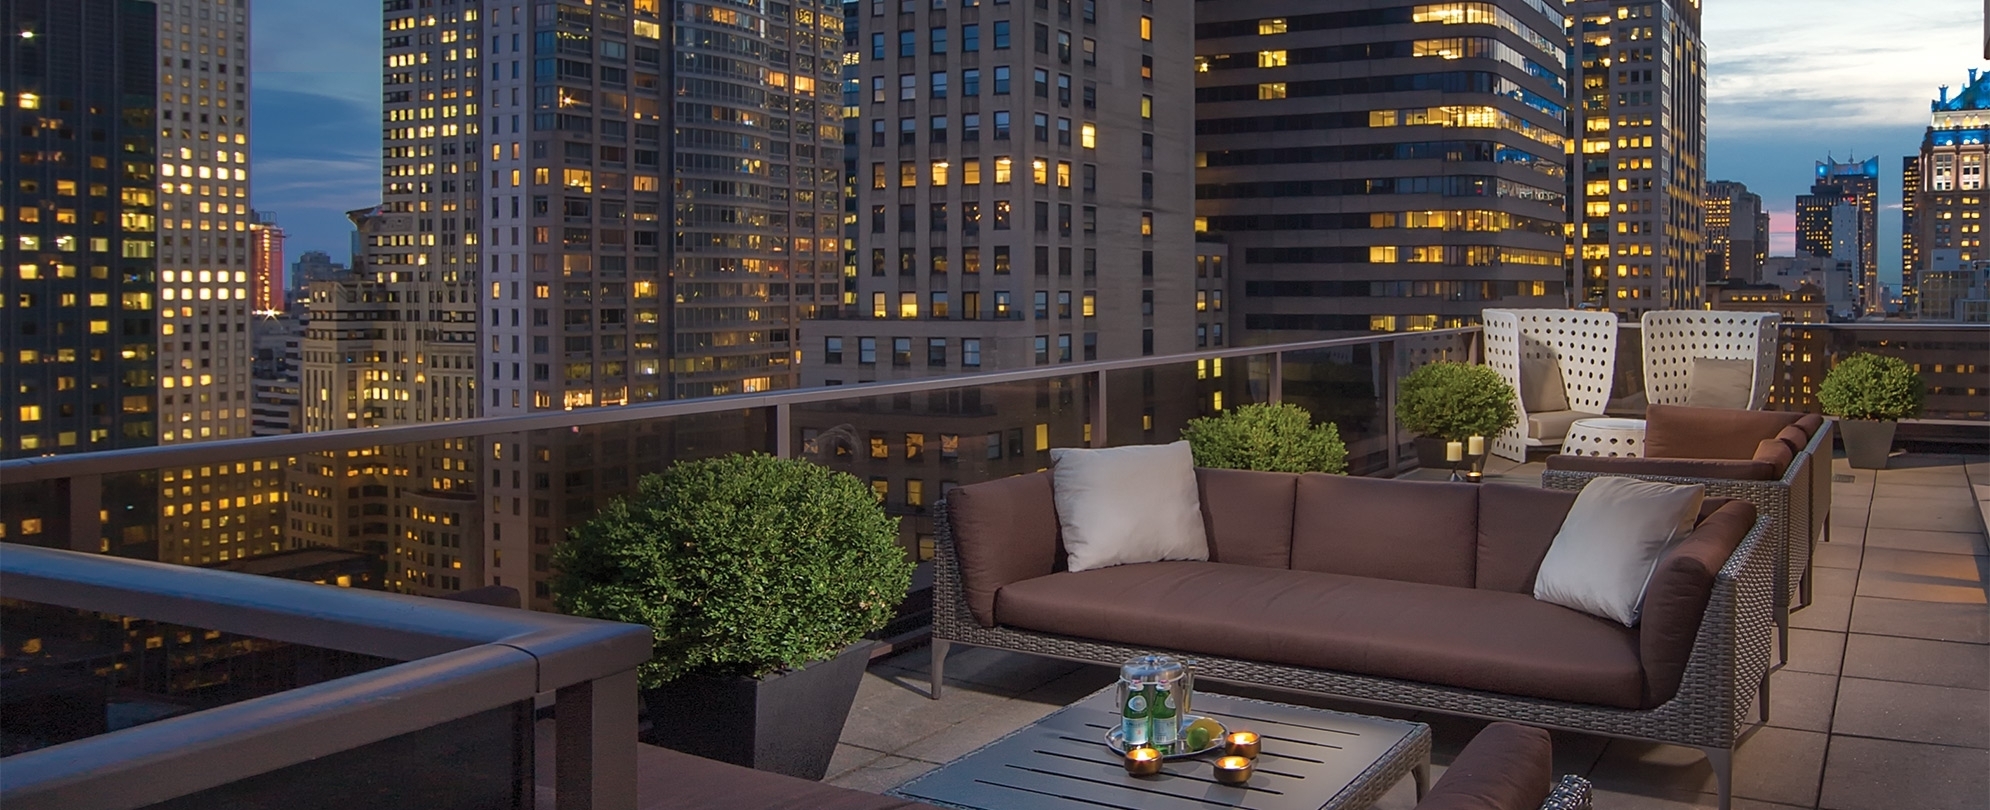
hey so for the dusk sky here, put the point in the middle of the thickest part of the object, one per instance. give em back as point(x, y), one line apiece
point(1790, 83)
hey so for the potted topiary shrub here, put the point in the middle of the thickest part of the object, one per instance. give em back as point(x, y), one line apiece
point(1450, 402)
point(1870, 394)
point(1277, 437)
point(760, 577)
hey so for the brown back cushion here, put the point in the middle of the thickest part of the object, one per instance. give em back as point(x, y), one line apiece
point(1506, 767)
point(1776, 453)
point(1004, 531)
point(1811, 423)
point(1247, 516)
point(1516, 526)
point(1676, 597)
point(1678, 431)
point(1410, 531)
point(1795, 437)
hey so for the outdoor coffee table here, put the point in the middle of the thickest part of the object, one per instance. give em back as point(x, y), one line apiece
point(1313, 759)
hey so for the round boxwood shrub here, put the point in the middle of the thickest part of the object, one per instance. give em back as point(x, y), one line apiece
point(1452, 401)
point(1872, 386)
point(745, 565)
point(1270, 437)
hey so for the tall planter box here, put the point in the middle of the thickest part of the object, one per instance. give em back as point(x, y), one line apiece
point(785, 723)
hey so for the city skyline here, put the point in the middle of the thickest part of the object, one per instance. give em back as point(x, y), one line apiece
point(1781, 96)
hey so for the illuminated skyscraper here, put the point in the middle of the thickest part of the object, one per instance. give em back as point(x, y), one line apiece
point(1643, 155)
point(265, 265)
point(1840, 218)
point(1736, 239)
point(1376, 165)
point(1945, 201)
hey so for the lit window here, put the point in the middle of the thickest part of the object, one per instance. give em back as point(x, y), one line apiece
point(1146, 106)
point(1088, 136)
point(1147, 28)
point(1271, 90)
point(1146, 223)
point(939, 173)
point(1271, 59)
point(1002, 166)
point(1275, 25)
point(1040, 171)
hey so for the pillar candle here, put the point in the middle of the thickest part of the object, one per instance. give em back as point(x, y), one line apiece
point(1454, 451)
point(1476, 445)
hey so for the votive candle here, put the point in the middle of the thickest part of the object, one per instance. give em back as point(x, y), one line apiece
point(1244, 744)
point(1143, 761)
point(1476, 445)
point(1233, 770)
point(1454, 451)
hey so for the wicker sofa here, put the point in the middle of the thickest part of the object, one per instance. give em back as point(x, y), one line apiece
point(1391, 592)
point(1779, 461)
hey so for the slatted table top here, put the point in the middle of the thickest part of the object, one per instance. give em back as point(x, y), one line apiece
point(1312, 759)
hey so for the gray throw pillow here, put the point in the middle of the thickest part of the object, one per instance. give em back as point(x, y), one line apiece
point(1719, 383)
point(1541, 387)
point(1611, 542)
point(1127, 505)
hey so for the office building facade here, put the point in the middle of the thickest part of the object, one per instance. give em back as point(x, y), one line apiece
point(1839, 218)
point(266, 269)
point(1943, 198)
point(1736, 232)
point(1379, 166)
point(1020, 194)
point(1643, 156)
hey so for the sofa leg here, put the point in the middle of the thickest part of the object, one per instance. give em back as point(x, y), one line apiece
point(1763, 696)
point(1722, 760)
point(938, 669)
point(1803, 590)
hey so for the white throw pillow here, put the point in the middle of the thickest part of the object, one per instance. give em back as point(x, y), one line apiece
point(1128, 505)
point(1611, 542)
point(1719, 383)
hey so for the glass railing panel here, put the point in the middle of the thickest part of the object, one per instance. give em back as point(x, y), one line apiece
point(1344, 386)
point(70, 674)
point(1152, 404)
point(1953, 359)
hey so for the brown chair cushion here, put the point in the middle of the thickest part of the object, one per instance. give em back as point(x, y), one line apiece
point(1776, 453)
point(1003, 530)
point(1475, 639)
point(1795, 437)
point(1749, 470)
point(1679, 431)
point(673, 780)
point(1505, 767)
point(1811, 424)
point(1676, 597)
point(1516, 526)
point(1373, 527)
point(1247, 516)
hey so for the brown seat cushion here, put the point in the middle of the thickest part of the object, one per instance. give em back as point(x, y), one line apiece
point(1375, 527)
point(1505, 767)
point(673, 780)
point(1247, 516)
point(1676, 596)
point(1003, 530)
point(1464, 637)
point(1516, 526)
point(1679, 431)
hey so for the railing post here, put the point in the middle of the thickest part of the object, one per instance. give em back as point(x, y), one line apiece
point(1385, 363)
point(594, 747)
point(1098, 409)
point(783, 431)
point(86, 508)
point(1277, 393)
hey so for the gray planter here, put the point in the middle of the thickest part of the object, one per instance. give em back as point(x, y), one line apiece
point(785, 723)
point(1430, 454)
point(1867, 442)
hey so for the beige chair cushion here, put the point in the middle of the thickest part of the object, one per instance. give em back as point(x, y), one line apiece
point(1552, 426)
point(1541, 386)
point(1612, 539)
point(1128, 505)
point(1719, 383)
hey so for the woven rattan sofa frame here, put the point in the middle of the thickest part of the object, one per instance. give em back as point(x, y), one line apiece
point(1726, 672)
point(1799, 503)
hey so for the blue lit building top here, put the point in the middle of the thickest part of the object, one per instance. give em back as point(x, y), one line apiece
point(1964, 118)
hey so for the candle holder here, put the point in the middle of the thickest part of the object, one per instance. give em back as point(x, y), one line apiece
point(1233, 770)
point(1475, 450)
point(1244, 744)
point(1143, 761)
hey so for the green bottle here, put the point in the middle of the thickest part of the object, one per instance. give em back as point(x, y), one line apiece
point(1165, 728)
point(1133, 713)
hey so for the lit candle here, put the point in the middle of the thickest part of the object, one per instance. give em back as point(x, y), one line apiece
point(1143, 761)
point(1242, 744)
point(1477, 446)
point(1233, 770)
point(1454, 451)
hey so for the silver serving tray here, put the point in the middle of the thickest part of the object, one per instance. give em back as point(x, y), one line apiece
point(1117, 741)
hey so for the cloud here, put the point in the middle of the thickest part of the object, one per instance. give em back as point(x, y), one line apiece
point(314, 156)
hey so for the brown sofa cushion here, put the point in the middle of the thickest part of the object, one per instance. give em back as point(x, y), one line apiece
point(673, 780)
point(1795, 437)
point(1505, 767)
point(1516, 526)
point(1004, 531)
point(1248, 516)
point(1464, 637)
point(1678, 431)
point(1374, 527)
point(1810, 423)
point(1747, 470)
point(1676, 597)
point(1776, 453)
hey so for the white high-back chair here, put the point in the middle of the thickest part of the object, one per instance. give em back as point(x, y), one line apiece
point(1583, 343)
point(1674, 338)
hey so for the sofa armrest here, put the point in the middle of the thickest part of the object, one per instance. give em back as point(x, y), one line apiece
point(1740, 470)
point(1002, 531)
point(1570, 793)
point(1506, 767)
point(1676, 598)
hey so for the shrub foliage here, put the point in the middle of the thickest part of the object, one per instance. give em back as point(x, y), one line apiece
point(745, 564)
point(1452, 401)
point(1872, 386)
point(1270, 437)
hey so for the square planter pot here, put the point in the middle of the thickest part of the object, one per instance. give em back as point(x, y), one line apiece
point(1867, 442)
point(785, 723)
